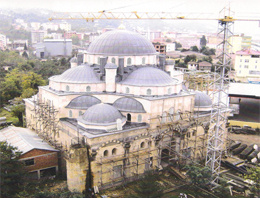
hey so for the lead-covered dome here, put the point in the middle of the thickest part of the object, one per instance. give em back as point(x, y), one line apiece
point(101, 114)
point(83, 102)
point(202, 100)
point(121, 42)
point(149, 76)
point(129, 105)
point(79, 74)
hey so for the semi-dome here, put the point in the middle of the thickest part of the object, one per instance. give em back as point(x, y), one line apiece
point(129, 105)
point(149, 76)
point(121, 42)
point(202, 100)
point(83, 102)
point(80, 74)
point(101, 114)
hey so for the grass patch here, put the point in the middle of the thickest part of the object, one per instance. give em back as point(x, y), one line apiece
point(9, 116)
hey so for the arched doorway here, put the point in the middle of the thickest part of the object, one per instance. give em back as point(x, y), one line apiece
point(128, 117)
point(165, 156)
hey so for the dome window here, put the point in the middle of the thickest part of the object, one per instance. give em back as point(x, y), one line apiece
point(88, 89)
point(105, 153)
point(127, 90)
point(170, 91)
point(70, 113)
point(143, 60)
point(139, 118)
point(142, 145)
point(149, 92)
point(113, 60)
point(128, 117)
point(114, 151)
point(129, 61)
point(67, 88)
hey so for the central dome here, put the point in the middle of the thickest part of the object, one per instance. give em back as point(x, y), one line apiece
point(121, 42)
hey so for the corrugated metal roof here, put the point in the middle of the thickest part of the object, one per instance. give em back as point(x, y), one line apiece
point(246, 89)
point(24, 139)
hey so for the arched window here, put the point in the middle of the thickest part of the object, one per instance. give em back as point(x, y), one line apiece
point(88, 89)
point(178, 116)
point(129, 61)
point(139, 118)
point(80, 113)
point(128, 117)
point(114, 151)
point(142, 145)
point(164, 116)
point(143, 60)
point(171, 112)
point(113, 60)
point(148, 92)
point(170, 91)
point(119, 124)
point(127, 90)
point(70, 113)
point(98, 60)
point(67, 88)
point(105, 153)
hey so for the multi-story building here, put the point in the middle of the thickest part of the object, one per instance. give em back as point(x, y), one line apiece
point(160, 47)
point(239, 43)
point(37, 36)
point(2, 41)
point(35, 25)
point(247, 64)
point(65, 26)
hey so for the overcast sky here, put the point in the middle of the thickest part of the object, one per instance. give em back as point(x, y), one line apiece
point(203, 8)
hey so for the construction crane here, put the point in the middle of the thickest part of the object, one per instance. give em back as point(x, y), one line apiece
point(216, 134)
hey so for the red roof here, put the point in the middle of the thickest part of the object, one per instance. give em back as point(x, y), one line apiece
point(248, 52)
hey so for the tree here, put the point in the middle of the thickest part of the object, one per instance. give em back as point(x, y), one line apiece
point(168, 40)
point(194, 48)
point(199, 175)
point(190, 58)
point(177, 45)
point(75, 40)
point(12, 170)
point(147, 187)
point(203, 41)
point(254, 175)
point(18, 109)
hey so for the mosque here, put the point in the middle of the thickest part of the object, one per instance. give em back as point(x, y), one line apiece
point(122, 112)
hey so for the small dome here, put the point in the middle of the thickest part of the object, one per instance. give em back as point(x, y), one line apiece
point(83, 102)
point(101, 114)
point(129, 105)
point(149, 76)
point(74, 60)
point(121, 42)
point(202, 100)
point(80, 74)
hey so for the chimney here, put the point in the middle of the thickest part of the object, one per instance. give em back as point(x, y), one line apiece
point(103, 62)
point(162, 62)
point(121, 66)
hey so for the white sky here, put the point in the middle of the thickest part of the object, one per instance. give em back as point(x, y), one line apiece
point(202, 8)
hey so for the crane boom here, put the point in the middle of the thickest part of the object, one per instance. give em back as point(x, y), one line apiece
point(91, 16)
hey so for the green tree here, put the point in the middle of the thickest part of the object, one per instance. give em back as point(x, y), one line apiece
point(254, 175)
point(199, 175)
point(147, 187)
point(203, 41)
point(194, 48)
point(177, 45)
point(75, 40)
point(168, 40)
point(18, 110)
point(12, 170)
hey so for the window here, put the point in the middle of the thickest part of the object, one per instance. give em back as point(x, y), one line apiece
point(117, 171)
point(114, 151)
point(70, 113)
point(240, 60)
point(67, 88)
point(98, 60)
point(129, 61)
point(88, 89)
point(139, 118)
point(142, 145)
point(239, 72)
point(127, 90)
point(178, 116)
point(171, 112)
point(246, 60)
point(240, 66)
point(105, 153)
point(164, 116)
point(80, 113)
point(256, 61)
point(128, 117)
point(246, 66)
point(113, 60)
point(255, 66)
point(149, 92)
point(29, 162)
point(170, 91)
point(143, 60)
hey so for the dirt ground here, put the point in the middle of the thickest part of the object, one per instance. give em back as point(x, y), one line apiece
point(246, 139)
